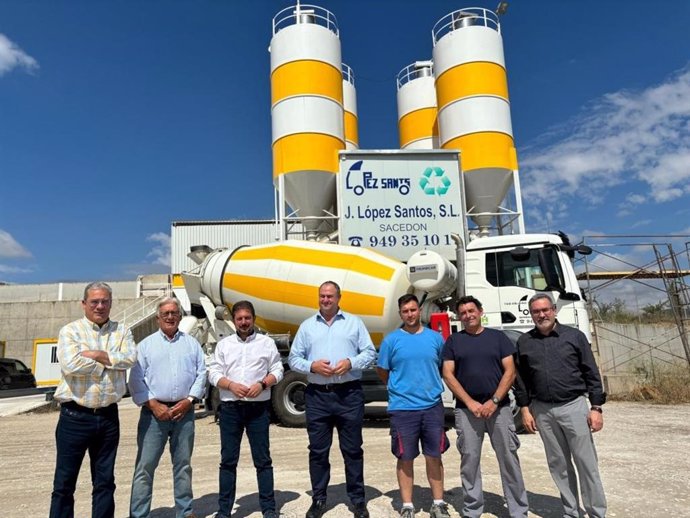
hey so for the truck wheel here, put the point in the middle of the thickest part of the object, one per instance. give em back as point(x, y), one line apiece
point(213, 402)
point(288, 399)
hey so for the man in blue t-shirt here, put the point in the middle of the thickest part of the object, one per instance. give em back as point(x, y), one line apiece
point(479, 369)
point(409, 363)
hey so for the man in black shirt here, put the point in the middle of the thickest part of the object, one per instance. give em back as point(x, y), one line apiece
point(556, 369)
point(478, 368)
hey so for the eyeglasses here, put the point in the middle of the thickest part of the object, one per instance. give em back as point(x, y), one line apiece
point(99, 302)
point(169, 314)
point(541, 311)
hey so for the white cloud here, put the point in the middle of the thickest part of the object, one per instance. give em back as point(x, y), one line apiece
point(161, 250)
point(624, 137)
point(10, 248)
point(642, 223)
point(5, 269)
point(635, 199)
point(11, 56)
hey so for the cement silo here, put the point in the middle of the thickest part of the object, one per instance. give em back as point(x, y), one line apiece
point(306, 110)
point(474, 110)
point(350, 107)
point(417, 112)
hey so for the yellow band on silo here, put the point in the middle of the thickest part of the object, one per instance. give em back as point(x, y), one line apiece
point(351, 130)
point(339, 261)
point(477, 78)
point(306, 152)
point(418, 124)
point(306, 77)
point(485, 149)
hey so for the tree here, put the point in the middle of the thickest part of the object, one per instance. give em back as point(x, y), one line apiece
point(614, 311)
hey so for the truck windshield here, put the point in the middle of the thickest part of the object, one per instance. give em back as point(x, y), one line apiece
point(538, 270)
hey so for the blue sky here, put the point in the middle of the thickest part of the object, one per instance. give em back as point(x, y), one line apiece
point(118, 117)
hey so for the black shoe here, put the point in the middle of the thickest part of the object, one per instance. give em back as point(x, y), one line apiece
point(318, 507)
point(361, 511)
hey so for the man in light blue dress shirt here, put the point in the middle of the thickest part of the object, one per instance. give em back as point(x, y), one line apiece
point(167, 379)
point(332, 347)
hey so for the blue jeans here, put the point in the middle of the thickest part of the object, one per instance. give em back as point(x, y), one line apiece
point(340, 407)
point(77, 432)
point(235, 418)
point(152, 436)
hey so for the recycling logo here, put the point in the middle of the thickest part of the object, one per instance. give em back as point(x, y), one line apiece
point(434, 181)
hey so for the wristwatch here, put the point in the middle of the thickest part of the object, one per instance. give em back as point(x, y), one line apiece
point(495, 400)
point(596, 408)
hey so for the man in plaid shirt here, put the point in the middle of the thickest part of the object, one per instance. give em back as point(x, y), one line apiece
point(94, 354)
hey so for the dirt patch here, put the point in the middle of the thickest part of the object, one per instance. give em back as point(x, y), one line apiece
point(643, 455)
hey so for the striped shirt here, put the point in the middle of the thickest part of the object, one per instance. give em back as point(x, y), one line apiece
point(85, 381)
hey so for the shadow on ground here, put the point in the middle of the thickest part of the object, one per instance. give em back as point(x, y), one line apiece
point(544, 506)
point(244, 505)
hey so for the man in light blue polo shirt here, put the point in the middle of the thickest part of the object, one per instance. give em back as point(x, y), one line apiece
point(167, 379)
point(332, 347)
point(410, 364)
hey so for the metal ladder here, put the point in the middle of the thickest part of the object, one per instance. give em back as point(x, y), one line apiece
point(678, 292)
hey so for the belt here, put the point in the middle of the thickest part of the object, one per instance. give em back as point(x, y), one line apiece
point(332, 387)
point(242, 402)
point(86, 410)
point(169, 404)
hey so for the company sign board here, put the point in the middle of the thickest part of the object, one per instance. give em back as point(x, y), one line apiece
point(401, 202)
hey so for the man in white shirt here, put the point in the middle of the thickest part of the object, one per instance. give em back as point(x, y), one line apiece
point(244, 367)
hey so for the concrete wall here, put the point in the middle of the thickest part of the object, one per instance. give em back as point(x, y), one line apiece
point(632, 353)
point(61, 291)
point(30, 312)
point(23, 322)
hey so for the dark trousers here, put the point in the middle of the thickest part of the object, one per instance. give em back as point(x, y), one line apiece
point(235, 418)
point(341, 407)
point(79, 431)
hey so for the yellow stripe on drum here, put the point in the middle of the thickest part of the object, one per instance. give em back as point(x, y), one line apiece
point(275, 326)
point(284, 292)
point(351, 130)
point(306, 152)
point(329, 259)
point(283, 327)
point(418, 124)
point(470, 79)
point(306, 77)
point(377, 338)
point(486, 149)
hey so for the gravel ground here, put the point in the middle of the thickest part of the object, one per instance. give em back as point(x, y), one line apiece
point(643, 452)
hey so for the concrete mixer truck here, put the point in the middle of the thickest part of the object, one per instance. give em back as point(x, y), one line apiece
point(440, 217)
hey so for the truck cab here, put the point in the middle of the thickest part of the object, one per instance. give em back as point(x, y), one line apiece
point(505, 271)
